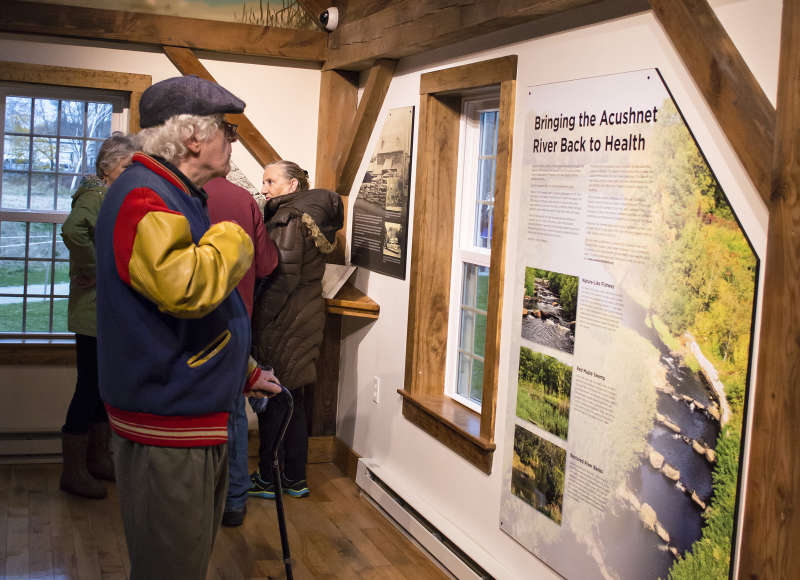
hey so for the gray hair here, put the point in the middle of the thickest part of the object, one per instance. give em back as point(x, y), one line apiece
point(167, 140)
point(114, 150)
point(292, 170)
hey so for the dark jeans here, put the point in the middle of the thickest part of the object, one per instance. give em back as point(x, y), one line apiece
point(86, 406)
point(239, 476)
point(293, 452)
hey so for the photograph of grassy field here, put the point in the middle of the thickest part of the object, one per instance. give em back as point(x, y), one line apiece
point(543, 391)
point(537, 475)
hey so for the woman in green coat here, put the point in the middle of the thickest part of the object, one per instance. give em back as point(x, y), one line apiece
point(86, 432)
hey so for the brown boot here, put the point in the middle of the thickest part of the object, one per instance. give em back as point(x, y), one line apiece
point(99, 456)
point(75, 478)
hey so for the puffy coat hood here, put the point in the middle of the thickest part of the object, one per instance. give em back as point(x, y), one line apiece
point(323, 208)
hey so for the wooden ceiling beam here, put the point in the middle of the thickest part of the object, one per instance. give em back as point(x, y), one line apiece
point(155, 29)
point(404, 27)
point(252, 139)
point(355, 144)
point(729, 87)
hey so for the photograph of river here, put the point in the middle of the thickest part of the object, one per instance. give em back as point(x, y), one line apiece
point(654, 325)
point(538, 473)
point(548, 308)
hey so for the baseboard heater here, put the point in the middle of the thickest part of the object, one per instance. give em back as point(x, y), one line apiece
point(30, 447)
point(441, 548)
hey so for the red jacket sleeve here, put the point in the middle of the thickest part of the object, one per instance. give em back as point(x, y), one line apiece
point(266, 254)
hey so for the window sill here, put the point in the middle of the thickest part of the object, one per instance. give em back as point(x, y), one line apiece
point(35, 351)
point(452, 424)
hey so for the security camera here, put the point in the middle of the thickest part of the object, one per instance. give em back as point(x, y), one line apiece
point(329, 18)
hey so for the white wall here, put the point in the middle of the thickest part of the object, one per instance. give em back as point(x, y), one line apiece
point(462, 501)
point(282, 101)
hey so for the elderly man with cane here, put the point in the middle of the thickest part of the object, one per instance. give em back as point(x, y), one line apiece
point(173, 334)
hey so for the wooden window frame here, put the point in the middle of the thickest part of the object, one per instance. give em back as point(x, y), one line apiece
point(60, 351)
point(425, 404)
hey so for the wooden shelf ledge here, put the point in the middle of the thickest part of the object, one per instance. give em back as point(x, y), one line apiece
point(55, 352)
point(452, 424)
point(350, 301)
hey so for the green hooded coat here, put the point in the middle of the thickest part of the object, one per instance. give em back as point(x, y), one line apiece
point(78, 235)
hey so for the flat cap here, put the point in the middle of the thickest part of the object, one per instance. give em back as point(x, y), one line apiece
point(186, 95)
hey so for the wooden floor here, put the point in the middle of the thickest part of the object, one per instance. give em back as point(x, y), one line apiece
point(333, 533)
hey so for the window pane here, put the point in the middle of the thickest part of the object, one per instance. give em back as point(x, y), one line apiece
point(479, 345)
point(43, 190)
point(468, 288)
point(483, 225)
point(486, 171)
point(45, 116)
point(10, 314)
point(38, 278)
point(482, 303)
point(41, 241)
point(467, 331)
point(61, 249)
point(489, 133)
point(15, 190)
point(72, 118)
point(464, 373)
point(92, 149)
point(37, 314)
point(12, 241)
point(67, 185)
point(99, 120)
point(16, 153)
point(12, 274)
point(48, 146)
point(18, 115)
point(60, 315)
point(70, 156)
point(44, 154)
point(62, 279)
point(476, 385)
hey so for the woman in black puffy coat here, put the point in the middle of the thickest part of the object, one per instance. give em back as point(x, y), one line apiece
point(289, 313)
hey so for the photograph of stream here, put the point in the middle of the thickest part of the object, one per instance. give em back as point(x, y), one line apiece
point(548, 309)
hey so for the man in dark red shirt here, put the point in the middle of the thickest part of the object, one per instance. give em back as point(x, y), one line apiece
point(229, 202)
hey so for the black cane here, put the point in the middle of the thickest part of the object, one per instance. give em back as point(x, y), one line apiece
point(276, 478)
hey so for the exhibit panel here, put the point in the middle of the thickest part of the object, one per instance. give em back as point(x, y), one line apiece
point(632, 338)
point(380, 213)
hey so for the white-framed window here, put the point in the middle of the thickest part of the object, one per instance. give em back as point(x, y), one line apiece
point(51, 136)
point(472, 242)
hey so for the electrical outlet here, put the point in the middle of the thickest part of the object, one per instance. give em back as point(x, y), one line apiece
point(376, 390)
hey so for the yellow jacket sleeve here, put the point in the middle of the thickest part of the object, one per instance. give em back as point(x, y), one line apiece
point(185, 279)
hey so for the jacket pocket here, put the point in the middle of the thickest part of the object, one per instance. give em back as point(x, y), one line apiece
point(210, 350)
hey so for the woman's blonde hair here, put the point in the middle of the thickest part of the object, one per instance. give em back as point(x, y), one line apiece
point(292, 170)
point(167, 140)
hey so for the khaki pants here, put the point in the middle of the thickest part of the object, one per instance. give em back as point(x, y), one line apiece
point(172, 500)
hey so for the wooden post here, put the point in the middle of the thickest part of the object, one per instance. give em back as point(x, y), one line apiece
point(355, 145)
point(337, 109)
point(772, 503)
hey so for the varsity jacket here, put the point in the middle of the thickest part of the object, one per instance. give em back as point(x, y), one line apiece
point(173, 334)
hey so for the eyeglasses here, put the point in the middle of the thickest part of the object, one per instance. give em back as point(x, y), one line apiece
point(231, 131)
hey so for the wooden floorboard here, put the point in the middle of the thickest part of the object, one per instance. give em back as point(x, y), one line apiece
point(333, 533)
